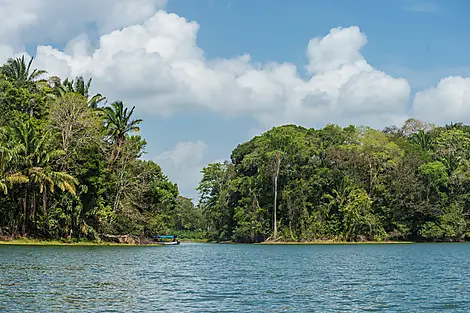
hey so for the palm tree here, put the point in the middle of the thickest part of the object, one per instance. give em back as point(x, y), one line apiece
point(21, 73)
point(452, 125)
point(79, 86)
point(118, 123)
point(423, 139)
point(36, 158)
point(8, 155)
point(45, 178)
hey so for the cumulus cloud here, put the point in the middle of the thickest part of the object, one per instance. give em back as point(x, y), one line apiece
point(340, 47)
point(35, 21)
point(158, 66)
point(150, 58)
point(183, 164)
point(447, 102)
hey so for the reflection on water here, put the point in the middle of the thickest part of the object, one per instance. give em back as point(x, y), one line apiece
point(236, 278)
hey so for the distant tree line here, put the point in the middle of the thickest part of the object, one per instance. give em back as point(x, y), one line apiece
point(346, 184)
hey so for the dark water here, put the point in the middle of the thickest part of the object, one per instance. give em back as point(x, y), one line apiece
point(236, 278)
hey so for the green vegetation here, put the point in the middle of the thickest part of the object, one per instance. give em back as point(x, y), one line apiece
point(294, 184)
point(70, 165)
point(42, 242)
point(71, 171)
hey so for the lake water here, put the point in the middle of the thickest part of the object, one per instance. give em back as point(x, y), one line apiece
point(236, 278)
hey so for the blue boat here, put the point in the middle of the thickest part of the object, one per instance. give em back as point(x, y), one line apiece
point(165, 240)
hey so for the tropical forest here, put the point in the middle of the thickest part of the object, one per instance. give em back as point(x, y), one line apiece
point(72, 167)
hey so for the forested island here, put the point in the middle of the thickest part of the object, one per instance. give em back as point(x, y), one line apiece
point(344, 184)
point(71, 168)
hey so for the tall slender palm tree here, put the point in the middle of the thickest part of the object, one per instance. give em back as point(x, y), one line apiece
point(21, 73)
point(78, 85)
point(36, 165)
point(118, 124)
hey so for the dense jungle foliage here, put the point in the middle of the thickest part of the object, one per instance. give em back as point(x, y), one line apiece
point(70, 163)
point(70, 166)
point(347, 184)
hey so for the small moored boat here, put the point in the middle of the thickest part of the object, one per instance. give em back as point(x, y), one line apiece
point(165, 240)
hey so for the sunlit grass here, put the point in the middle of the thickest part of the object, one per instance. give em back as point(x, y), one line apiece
point(331, 242)
point(42, 242)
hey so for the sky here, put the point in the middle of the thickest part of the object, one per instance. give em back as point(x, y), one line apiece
point(207, 75)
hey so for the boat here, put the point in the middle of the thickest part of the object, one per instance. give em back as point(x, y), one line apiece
point(164, 240)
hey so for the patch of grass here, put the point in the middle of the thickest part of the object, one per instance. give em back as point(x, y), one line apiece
point(43, 242)
point(330, 242)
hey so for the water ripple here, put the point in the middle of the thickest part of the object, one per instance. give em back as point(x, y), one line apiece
point(236, 278)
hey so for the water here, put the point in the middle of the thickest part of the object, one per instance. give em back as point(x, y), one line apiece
point(236, 278)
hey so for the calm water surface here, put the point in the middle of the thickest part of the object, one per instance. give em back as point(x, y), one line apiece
point(236, 278)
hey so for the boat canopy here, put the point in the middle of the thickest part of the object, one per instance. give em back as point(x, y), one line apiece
point(164, 237)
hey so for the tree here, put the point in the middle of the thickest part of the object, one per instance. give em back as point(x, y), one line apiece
point(452, 146)
point(413, 126)
point(276, 169)
point(9, 153)
point(76, 125)
point(435, 176)
point(79, 86)
point(53, 137)
point(21, 73)
point(423, 139)
point(118, 124)
point(35, 157)
point(216, 191)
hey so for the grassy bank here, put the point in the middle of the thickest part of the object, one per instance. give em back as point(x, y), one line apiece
point(330, 242)
point(42, 242)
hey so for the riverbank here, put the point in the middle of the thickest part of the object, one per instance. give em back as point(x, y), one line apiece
point(330, 242)
point(44, 242)
point(84, 242)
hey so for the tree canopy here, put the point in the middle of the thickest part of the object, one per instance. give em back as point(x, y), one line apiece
point(345, 184)
point(69, 168)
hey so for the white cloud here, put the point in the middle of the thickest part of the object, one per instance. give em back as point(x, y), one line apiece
point(158, 66)
point(35, 21)
point(340, 47)
point(183, 164)
point(448, 102)
point(5, 52)
point(150, 59)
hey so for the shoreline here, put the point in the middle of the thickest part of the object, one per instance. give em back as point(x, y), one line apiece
point(30, 242)
point(87, 243)
point(327, 242)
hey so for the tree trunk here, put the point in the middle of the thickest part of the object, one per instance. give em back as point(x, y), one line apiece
point(33, 204)
point(275, 208)
point(44, 201)
point(23, 228)
point(276, 176)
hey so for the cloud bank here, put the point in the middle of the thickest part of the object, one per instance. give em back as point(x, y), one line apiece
point(150, 58)
point(156, 64)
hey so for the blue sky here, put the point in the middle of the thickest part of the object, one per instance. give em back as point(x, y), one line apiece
point(419, 34)
point(199, 97)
